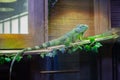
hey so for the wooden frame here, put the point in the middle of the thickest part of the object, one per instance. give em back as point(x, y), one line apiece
point(102, 19)
point(37, 28)
point(38, 24)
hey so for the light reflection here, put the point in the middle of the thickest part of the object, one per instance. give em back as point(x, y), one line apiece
point(7, 1)
point(6, 9)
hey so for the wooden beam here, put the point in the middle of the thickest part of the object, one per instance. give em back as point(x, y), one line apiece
point(102, 20)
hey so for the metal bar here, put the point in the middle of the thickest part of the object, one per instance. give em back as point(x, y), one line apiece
point(61, 71)
point(3, 27)
point(115, 54)
point(93, 66)
point(10, 26)
point(100, 67)
point(8, 51)
point(19, 25)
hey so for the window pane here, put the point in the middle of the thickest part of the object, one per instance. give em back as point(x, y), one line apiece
point(24, 25)
point(1, 28)
point(15, 26)
point(7, 27)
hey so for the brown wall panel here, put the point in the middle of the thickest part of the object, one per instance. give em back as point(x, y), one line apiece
point(115, 13)
point(36, 27)
point(66, 14)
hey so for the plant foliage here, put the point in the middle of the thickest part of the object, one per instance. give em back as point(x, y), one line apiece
point(93, 46)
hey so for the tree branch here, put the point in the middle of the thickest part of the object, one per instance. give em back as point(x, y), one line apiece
point(98, 38)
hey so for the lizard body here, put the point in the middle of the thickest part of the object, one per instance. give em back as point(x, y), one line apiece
point(68, 38)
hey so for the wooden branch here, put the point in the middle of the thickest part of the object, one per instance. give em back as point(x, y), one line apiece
point(97, 39)
point(72, 44)
point(86, 41)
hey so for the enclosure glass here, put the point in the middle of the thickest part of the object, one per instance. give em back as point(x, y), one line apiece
point(14, 17)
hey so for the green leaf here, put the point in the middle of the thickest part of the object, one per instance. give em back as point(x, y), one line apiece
point(18, 58)
point(12, 57)
point(67, 44)
point(95, 49)
point(69, 51)
point(74, 49)
point(7, 59)
point(54, 52)
point(42, 55)
point(29, 56)
point(50, 54)
point(63, 50)
point(80, 47)
point(87, 47)
point(92, 39)
point(97, 44)
point(2, 60)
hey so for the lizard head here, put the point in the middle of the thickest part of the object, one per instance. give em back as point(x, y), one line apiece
point(81, 28)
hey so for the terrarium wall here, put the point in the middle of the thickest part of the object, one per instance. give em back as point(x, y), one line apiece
point(66, 14)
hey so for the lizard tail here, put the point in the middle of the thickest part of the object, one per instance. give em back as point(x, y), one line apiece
point(13, 61)
point(44, 45)
point(20, 53)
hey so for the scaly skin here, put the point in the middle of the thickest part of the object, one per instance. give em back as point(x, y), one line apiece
point(68, 38)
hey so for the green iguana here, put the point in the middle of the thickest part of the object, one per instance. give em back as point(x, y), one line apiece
point(72, 36)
